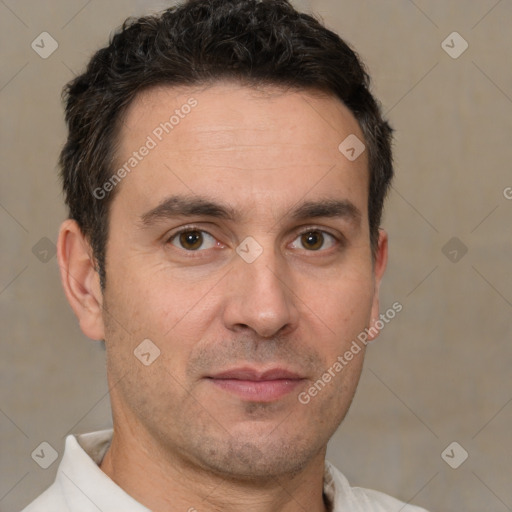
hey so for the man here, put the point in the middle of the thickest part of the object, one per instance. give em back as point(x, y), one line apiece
point(225, 173)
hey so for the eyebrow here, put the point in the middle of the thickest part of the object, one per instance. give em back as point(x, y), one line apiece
point(188, 206)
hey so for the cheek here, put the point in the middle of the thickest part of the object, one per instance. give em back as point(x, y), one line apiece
point(173, 314)
point(147, 297)
point(343, 303)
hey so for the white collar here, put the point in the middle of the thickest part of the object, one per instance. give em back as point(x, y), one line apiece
point(81, 486)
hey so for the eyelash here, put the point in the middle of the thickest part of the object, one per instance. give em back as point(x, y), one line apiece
point(339, 241)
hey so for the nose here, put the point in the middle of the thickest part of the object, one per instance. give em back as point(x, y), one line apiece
point(260, 297)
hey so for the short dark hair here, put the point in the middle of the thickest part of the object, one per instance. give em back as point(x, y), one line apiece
point(256, 42)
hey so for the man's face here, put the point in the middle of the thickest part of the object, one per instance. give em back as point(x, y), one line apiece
point(243, 325)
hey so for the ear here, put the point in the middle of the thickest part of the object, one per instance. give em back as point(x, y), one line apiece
point(379, 266)
point(80, 279)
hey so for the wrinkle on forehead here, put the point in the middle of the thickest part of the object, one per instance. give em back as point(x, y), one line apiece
point(244, 144)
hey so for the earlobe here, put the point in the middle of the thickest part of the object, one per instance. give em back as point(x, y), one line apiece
point(80, 279)
point(381, 260)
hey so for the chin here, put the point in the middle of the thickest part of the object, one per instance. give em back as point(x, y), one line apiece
point(265, 459)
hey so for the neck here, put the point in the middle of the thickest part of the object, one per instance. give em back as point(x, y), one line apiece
point(136, 464)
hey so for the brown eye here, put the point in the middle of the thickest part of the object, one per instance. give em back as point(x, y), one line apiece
point(314, 240)
point(193, 240)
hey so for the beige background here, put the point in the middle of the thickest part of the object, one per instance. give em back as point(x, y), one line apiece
point(440, 372)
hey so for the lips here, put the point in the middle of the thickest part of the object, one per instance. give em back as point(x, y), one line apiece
point(257, 376)
point(255, 385)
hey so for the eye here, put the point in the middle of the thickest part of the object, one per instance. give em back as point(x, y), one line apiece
point(314, 240)
point(193, 240)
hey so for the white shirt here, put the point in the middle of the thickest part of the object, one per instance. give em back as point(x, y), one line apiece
point(81, 486)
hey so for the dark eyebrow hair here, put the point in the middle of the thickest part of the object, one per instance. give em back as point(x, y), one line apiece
point(327, 208)
point(187, 206)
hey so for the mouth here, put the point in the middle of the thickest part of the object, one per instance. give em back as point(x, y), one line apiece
point(256, 386)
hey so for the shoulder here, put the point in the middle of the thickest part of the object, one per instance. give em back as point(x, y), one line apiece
point(77, 470)
point(49, 501)
point(383, 502)
point(344, 497)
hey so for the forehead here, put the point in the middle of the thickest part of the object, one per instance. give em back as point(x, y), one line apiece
point(247, 145)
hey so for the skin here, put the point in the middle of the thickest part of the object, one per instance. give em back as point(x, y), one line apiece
point(181, 442)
